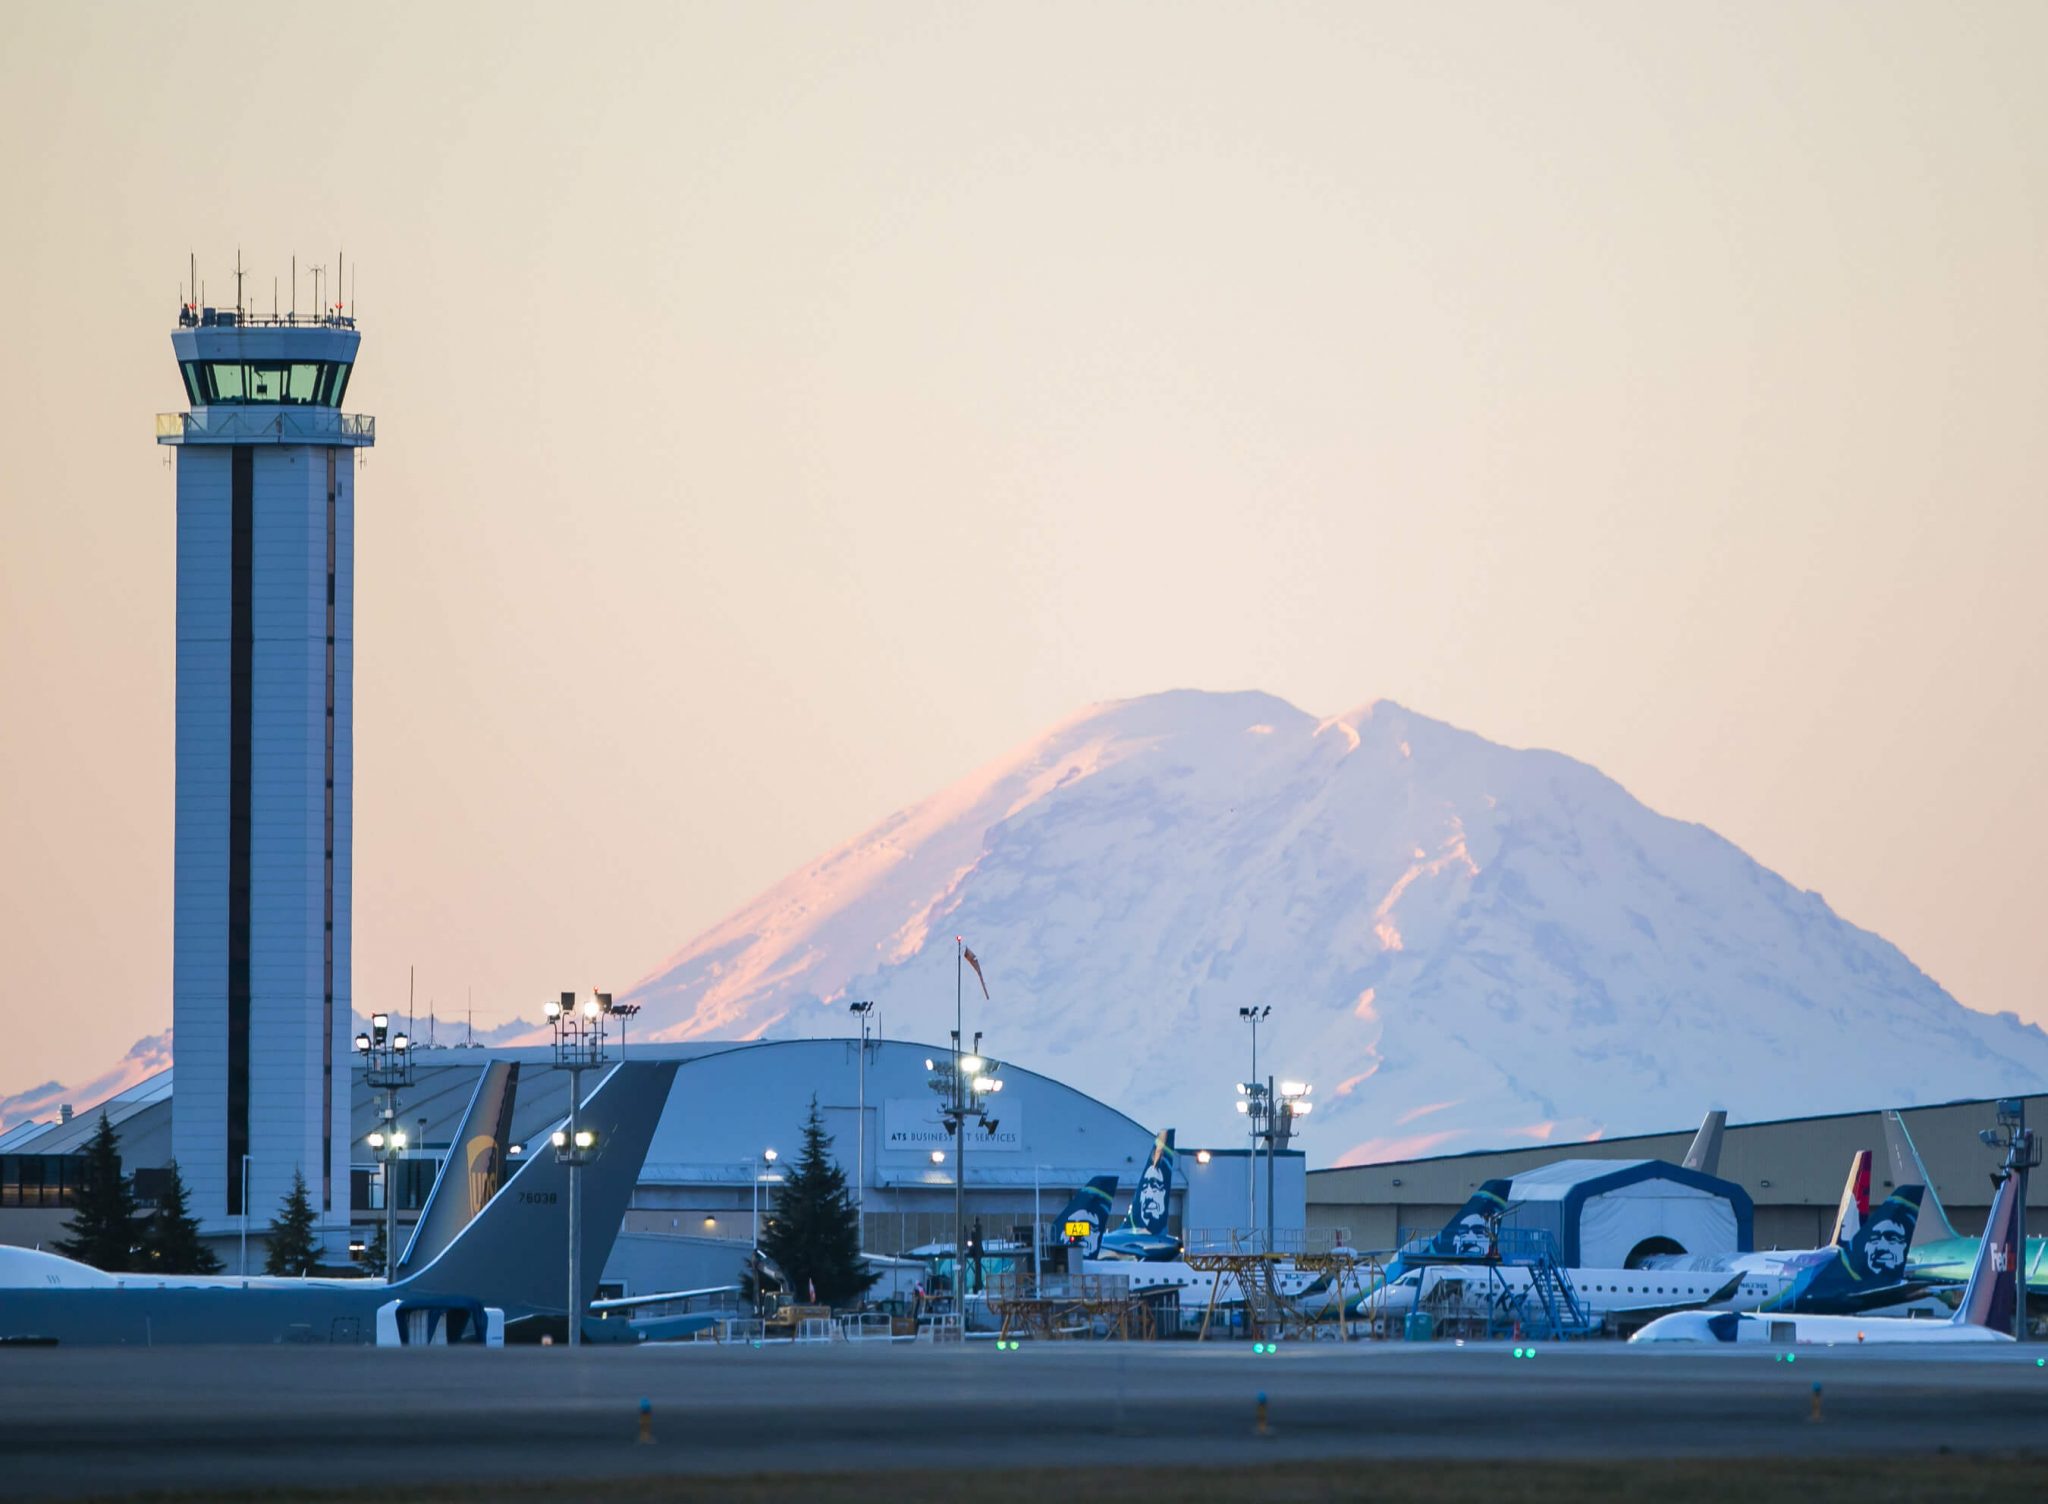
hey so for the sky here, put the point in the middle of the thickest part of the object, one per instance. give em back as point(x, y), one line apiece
point(785, 409)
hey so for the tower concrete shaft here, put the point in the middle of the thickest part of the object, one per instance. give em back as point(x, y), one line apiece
point(265, 686)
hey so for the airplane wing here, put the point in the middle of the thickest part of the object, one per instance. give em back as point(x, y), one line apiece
point(633, 1302)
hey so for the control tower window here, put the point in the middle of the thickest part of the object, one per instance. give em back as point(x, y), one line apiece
point(307, 382)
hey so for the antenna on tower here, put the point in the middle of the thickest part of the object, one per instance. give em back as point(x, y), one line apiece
point(238, 282)
point(273, 300)
point(192, 282)
point(295, 289)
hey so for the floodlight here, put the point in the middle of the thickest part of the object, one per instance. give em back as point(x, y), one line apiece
point(1300, 1109)
point(770, 1155)
point(604, 1002)
point(590, 1007)
point(1244, 1107)
point(398, 1139)
point(559, 1138)
point(363, 1043)
point(376, 1140)
point(928, 1065)
point(380, 1021)
point(984, 1083)
point(971, 1064)
point(585, 1138)
point(938, 1156)
point(1293, 1089)
point(553, 1009)
point(1242, 1088)
point(1201, 1156)
point(401, 1043)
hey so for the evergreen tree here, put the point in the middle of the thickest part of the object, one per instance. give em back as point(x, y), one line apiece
point(104, 1228)
point(813, 1230)
point(375, 1253)
point(170, 1243)
point(293, 1249)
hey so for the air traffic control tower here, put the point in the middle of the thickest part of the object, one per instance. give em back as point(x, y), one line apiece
point(266, 659)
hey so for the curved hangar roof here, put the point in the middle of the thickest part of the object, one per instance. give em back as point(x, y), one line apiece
point(1603, 1210)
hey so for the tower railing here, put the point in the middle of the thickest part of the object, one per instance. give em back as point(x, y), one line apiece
point(259, 423)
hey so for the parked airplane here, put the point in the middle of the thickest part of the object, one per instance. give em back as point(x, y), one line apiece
point(510, 1257)
point(1986, 1313)
point(1864, 1270)
point(1941, 1255)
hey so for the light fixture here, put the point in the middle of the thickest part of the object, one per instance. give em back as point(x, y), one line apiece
point(585, 1138)
point(398, 1138)
point(362, 1043)
point(770, 1155)
point(1244, 1107)
point(971, 1064)
point(515, 1150)
point(929, 1064)
point(401, 1043)
point(559, 1138)
point(984, 1083)
point(375, 1140)
point(590, 1009)
point(1201, 1156)
point(380, 1021)
point(552, 1008)
point(938, 1156)
point(1294, 1089)
point(710, 1221)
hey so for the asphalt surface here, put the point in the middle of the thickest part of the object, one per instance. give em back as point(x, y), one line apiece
point(82, 1421)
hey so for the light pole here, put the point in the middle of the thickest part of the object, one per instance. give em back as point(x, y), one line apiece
point(387, 1061)
point(961, 1093)
point(1272, 1111)
point(1254, 1017)
point(579, 1029)
point(2022, 1153)
point(864, 1011)
point(761, 1172)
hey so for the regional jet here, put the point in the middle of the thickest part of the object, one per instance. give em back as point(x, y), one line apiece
point(1987, 1312)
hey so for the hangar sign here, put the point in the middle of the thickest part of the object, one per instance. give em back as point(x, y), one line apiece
point(912, 1125)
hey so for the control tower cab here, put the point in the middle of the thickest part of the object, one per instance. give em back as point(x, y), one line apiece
point(265, 690)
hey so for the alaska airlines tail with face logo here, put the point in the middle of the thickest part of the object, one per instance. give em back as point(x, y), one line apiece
point(1471, 1230)
point(1085, 1217)
point(1868, 1266)
point(1147, 1213)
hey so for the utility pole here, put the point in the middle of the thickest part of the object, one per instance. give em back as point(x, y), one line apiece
point(579, 1044)
point(863, 1011)
point(969, 1079)
point(2022, 1154)
point(1254, 1017)
point(387, 1061)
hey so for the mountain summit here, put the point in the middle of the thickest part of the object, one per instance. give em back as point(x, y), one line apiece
point(1465, 945)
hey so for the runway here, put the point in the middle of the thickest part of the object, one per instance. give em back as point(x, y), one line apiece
point(77, 1422)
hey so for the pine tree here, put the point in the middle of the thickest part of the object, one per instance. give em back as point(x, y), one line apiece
point(293, 1249)
point(104, 1228)
point(376, 1253)
point(170, 1243)
point(813, 1230)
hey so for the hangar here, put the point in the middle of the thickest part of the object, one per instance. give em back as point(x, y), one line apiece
point(1613, 1213)
point(707, 1178)
point(1791, 1169)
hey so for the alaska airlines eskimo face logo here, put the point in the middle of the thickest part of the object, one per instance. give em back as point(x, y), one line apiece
point(1151, 1196)
point(1884, 1246)
point(1469, 1236)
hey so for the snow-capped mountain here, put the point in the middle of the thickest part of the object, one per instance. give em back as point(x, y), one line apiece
point(1464, 944)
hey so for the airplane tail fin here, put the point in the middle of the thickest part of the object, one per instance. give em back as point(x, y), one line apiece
point(1908, 1170)
point(1855, 1204)
point(1088, 1205)
point(1147, 1213)
point(1989, 1299)
point(479, 1152)
point(1877, 1249)
point(1469, 1230)
point(1705, 1153)
point(513, 1253)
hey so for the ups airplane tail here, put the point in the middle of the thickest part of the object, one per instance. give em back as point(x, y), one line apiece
point(479, 1159)
point(1908, 1170)
point(513, 1252)
point(1705, 1153)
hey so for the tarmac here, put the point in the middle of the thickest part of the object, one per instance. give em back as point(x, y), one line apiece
point(83, 1421)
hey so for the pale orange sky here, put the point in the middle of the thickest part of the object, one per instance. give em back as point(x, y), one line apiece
point(784, 409)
